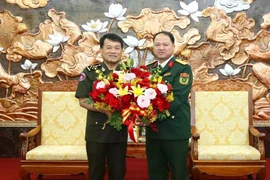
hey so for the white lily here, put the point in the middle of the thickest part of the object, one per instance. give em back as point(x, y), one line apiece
point(56, 39)
point(95, 26)
point(229, 71)
point(190, 9)
point(116, 11)
point(133, 42)
point(28, 65)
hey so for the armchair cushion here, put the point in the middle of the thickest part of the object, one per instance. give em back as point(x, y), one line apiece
point(52, 152)
point(228, 153)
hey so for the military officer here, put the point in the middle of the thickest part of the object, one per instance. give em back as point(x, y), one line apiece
point(105, 147)
point(167, 148)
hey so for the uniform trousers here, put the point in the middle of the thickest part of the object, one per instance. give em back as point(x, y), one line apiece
point(106, 155)
point(163, 155)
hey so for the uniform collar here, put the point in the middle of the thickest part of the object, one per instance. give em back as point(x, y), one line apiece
point(165, 62)
point(118, 67)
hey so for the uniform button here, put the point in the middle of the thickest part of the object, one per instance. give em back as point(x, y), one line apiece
point(96, 122)
point(172, 117)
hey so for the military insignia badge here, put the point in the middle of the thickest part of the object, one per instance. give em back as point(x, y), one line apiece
point(170, 64)
point(184, 78)
point(82, 77)
point(93, 67)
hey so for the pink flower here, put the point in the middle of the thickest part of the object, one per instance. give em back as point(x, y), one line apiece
point(163, 88)
point(113, 91)
point(150, 93)
point(129, 76)
point(100, 85)
point(143, 101)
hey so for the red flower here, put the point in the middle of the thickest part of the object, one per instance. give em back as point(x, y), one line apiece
point(108, 97)
point(114, 103)
point(144, 67)
point(94, 94)
point(115, 76)
point(126, 99)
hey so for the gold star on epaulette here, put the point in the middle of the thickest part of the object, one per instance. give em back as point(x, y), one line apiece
point(93, 67)
point(181, 61)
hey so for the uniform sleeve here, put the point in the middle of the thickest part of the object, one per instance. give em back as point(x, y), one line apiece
point(84, 85)
point(181, 88)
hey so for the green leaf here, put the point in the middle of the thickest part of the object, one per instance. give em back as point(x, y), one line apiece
point(128, 62)
point(131, 62)
point(116, 120)
point(123, 65)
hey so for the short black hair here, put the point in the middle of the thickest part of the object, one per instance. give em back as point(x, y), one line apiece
point(112, 37)
point(165, 33)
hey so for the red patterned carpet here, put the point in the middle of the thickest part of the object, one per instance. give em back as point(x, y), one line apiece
point(137, 170)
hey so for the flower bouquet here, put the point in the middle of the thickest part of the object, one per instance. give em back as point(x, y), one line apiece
point(135, 96)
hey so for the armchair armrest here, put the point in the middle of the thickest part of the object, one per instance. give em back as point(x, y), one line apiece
point(194, 145)
point(28, 140)
point(260, 137)
point(193, 129)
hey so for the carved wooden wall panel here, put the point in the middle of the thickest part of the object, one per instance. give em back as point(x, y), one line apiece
point(48, 41)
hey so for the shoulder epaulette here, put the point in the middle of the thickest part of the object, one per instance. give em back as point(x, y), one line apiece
point(152, 62)
point(181, 61)
point(92, 67)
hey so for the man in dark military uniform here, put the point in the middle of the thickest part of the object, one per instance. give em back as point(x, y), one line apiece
point(105, 147)
point(168, 147)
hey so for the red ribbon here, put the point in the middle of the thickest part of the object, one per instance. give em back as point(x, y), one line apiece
point(131, 132)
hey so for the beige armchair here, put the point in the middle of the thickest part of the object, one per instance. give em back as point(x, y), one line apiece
point(56, 145)
point(225, 142)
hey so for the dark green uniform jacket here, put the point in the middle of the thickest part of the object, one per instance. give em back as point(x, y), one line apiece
point(96, 120)
point(177, 125)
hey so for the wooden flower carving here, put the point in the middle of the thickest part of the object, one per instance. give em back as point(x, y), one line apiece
point(230, 32)
point(190, 38)
point(10, 26)
point(64, 26)
point(262, 109)
point(244, 26)
point(258, 88)
point(262, 72)
point(260, 48)
point(74, 58)
point(256, 48)
point(220, 29)
point(266, 21)
point(150, 22)
point(205, 57)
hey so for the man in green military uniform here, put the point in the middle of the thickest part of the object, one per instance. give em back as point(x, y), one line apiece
point(168, 147)
point(105, 147)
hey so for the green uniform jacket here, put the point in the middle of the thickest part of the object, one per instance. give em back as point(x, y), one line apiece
point(96, 120)
point(177, 125)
